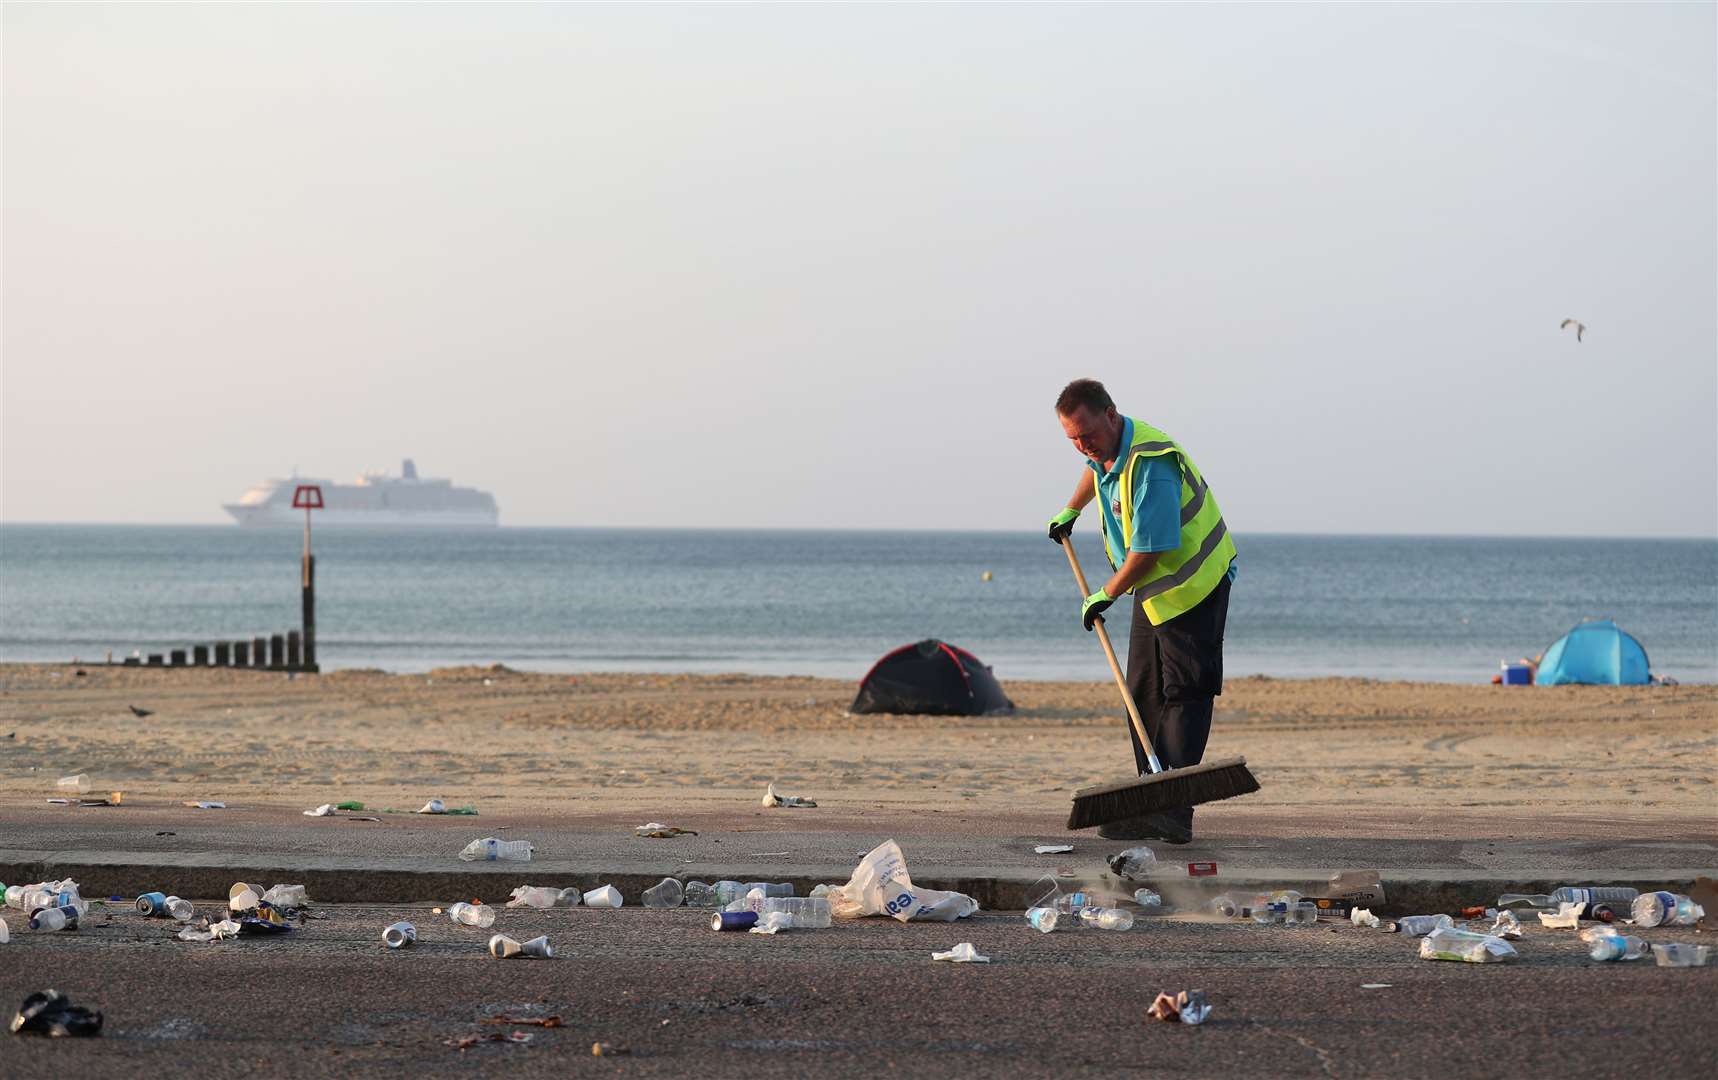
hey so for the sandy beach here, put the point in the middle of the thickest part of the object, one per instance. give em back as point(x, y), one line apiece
point(525, 742)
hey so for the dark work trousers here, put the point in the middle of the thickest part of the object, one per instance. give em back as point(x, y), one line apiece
point(1174, 671)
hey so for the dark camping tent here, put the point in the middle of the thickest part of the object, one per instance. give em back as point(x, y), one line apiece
point(931, 678)
point(1595, 652)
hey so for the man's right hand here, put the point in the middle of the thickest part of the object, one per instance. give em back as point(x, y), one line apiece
point(1063, 524)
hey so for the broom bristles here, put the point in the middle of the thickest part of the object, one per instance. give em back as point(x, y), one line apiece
point(1167, 790)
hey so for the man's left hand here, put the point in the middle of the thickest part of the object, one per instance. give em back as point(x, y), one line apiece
point(1094, 607)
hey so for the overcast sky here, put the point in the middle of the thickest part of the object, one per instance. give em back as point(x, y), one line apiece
point(829, 265)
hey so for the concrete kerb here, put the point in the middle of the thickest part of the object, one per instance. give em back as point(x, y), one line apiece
point(335, 880)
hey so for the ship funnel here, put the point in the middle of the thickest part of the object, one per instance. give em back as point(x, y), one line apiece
point(408, 470)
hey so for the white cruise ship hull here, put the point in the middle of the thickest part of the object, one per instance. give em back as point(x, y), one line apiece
point(268, 516)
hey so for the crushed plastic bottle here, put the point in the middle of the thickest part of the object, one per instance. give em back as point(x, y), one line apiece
point(1147, 898)
point(1675, 954)
point(807, 912)
point(700, 894)
point(399, 935)
point(1106, 918)
point(667, 893)
point(1134, 863)
point(503, 947)
point(54, 918)
point(1043, 919)
point(1447, 943)
point(1570, 894)
point(1618, 947)
point(1421, 925)
point(604, 896)
point(535, 896)
point(472, 914)
point(179, 910)
point(490, 849)
point(1506, 926)
point(287, 896)
point(1666, 909)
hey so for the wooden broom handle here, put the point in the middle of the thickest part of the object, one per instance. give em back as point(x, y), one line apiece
point(1110, 655)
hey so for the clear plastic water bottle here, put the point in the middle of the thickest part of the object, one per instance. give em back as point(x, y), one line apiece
point(540, 897)
point(1571, 894)
point(1106, 918)
point(807, 912)
point(490, 849)
point(287, 896)
point(666, 893)
point(1270, 914)
point(472, 914)
point(778, 888)
point(1147, 898)
point(14, 896)
point(5, 932)
point(1666, 909)
point(178, 909)
point(1134, 863)
point(54, 918)
point(1618, 947)
point(1072, 903)
point(700, 894)
point(1421, 925)
point(1043, 919)
point(1300, 913)
point(729, 891)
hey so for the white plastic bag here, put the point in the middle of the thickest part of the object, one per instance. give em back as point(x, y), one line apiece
point(880, 886)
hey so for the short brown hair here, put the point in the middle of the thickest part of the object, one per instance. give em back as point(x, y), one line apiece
point(1087, 392)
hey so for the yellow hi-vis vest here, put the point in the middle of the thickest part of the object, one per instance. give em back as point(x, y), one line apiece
point(1179, 579)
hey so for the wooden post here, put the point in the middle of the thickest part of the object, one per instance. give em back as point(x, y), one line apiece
point(155, 659)
point(199, 656)
point(292, 650)
point(241, 654)
point(309, 588)
point(177, 657)
point(277, 652)
point(259, 652)
point(223, 654)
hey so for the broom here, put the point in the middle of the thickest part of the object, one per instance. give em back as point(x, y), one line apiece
point(1162, 789)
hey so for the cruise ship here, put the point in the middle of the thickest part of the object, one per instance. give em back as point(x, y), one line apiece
point(376, 499)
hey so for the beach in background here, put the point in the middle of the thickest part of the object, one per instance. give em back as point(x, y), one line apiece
point(827, 604)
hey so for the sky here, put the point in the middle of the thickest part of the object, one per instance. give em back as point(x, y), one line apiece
point(828, 265)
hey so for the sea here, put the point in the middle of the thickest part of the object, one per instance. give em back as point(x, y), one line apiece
point(829, 603)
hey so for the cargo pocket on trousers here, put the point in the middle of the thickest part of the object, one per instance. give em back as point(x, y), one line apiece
point(1191, 669)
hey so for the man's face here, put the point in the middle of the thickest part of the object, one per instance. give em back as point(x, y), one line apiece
point(1093, 434)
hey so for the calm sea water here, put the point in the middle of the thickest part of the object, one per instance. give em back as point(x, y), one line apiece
point(828, 603)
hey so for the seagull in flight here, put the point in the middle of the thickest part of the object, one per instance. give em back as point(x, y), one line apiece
point(1580, 327)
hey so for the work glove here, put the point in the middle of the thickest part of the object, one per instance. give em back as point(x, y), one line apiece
point(1093, 609)
point(1063, 524)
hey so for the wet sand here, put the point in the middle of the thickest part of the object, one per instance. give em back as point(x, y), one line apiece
point(525, 742)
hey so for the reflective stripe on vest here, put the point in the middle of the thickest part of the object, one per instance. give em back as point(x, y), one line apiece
point(1179, 579)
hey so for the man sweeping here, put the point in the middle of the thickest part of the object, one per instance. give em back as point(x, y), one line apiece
point(1169, 547)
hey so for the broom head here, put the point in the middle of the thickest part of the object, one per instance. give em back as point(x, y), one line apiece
point(1156, 792)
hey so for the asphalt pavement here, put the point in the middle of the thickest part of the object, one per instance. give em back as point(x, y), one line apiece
point(672, 998)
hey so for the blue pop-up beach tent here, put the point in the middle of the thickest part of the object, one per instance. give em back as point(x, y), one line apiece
point(1595, 652)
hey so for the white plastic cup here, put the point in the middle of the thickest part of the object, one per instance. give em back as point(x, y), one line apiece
point(604, 896)
point(399, 935)
point(242, 897)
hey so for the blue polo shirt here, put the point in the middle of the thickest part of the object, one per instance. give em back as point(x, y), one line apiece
point(1156, 501)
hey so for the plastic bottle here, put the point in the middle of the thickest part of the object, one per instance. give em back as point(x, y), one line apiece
point(1071, 903)
point(490, 849)
point(666, 893)
point(1147, 898)
point(54, 918)
point(700, 894)
point(1269, 914)
point(1571, 894)
point(603, 896)
point(1225, 905)
point(472, 914)
point(1043, 919)
point(287, 896)
point(1420, 925)
point(1300, 913)
point(779, 888)
point(1666, 909)
point(179, 909)
point(1618, 947)
point(14, 896)
point(729, 891)
point(5, 932)
point(1594, 933)
point(1133, 863)
point(1106, 918)
point(536, 896)
point(807, 912)
point(399, 935)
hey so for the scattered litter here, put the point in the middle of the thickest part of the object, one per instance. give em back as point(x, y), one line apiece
point(251, 926)
point(1677, 955)
point(1419, 925)
point(763, 854)
point(1147, 898)
point(350, 804)
point(1359, 886)
point(1617, 947)
point(472, 914)
point(529, 1021)
point(207, 804)
point(1052, 849)
point(1447, 943)
point(399, 935)
point(490, 849)
point(466, 1042)
point(77, 784)
point(5, 932)
point(657, 831)
point(1187, 1007)
point(1364, 917)
point(503, 947)
point(771, 922)
point(1566, 917)
point(602, 1049)
point(1134, 863)
point(1201, 869)
point(51, 1013)
point(1507, 926)
point(225, 928)
point(1594, 933)
point(1666, 909)
point(157, 905)
point(434, 806)
point(772, 799)
point(540, 897)
point(666, 893)
point(325, 810)
point(1375, 986)
point(880, 885)
point(604, 896)
point(963, 953)
point(733, 920)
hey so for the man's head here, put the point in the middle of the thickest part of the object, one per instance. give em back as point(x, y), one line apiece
point(1089, 419)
